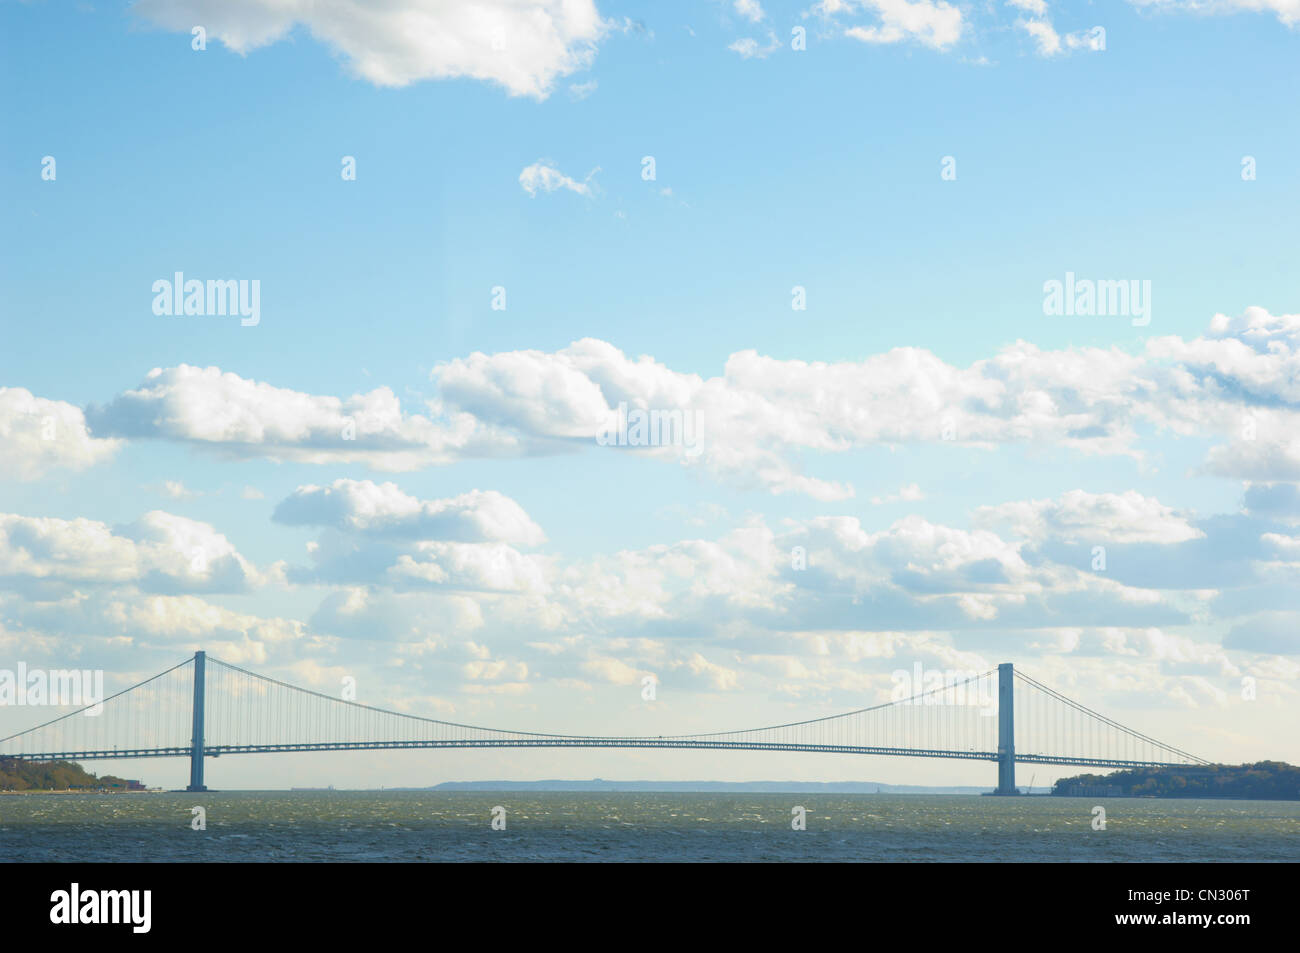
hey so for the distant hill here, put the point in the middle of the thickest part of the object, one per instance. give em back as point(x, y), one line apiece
point(17, 775)
point(705, 787)
point(1261, 781)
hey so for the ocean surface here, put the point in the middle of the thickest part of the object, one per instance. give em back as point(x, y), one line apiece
point(343, 826)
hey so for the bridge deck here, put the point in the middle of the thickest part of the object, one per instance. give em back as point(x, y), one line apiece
point(213, 751)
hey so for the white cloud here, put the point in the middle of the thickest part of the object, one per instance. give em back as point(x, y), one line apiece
point(932, 23)
point(909, 493)
point(160, 552)
point(192, 618)
point(1078, 516)
point(1272, 454)
point(749, 49)
point(1287, 11)
point(751, 10)
point(404, 564)
point(1242, 379)
point(436, 619)
point(1093, 39)
point(1257, 353)
point(1048, 40)
point(707, 615)
point(543, 176)
point(612, 670)
point(41, 435)
point(494, 670)
point(486, 567)
point(245, 418)
point(761, 418)
point(177, 490)
point(521, 45)
point(762, 414)
point(548, 394)
point(361, 506)
point(716, 677)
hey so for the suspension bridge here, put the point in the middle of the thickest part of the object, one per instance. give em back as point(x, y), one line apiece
point(205, 708)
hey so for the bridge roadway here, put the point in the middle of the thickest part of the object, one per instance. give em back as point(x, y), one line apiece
point(214, 751)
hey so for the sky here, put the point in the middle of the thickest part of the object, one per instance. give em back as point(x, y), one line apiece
point(835, 238)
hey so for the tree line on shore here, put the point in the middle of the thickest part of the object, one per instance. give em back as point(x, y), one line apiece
point(18, 775)
point(1263, 780)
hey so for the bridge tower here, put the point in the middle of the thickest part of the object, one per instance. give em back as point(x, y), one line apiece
point(1006, 730)
point(196, 740)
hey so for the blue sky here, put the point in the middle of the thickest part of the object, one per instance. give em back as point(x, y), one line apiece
point(774, 168)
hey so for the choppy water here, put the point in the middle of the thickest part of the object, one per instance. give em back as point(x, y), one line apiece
point(424, 826)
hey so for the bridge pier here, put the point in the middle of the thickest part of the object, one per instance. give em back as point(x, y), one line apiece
point(1006, 730)
point(196, 740)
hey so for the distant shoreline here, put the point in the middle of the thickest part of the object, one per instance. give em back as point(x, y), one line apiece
point(603, 786)
point(31, 791)
point(532, 787)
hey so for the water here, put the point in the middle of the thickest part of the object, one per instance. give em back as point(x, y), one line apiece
point(455, 826)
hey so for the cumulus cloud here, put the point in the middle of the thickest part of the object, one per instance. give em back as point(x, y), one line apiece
point(717, 677)
point(177, 490)
point(1287, 11)
point(702, 615)
point(1242, 379)
point(243, 418)
point(573, 395)
point(1048, 41)
point(612, 670)
point(749, 49)
point(941, 25)
point(359, 560)
point(1043, 34)
point(160, 552)
point(377, 535)
point(756, 423)
point(761, 413)
point(193, 619)
point(432, 619)
point(1093, 39)
point(1255, 355)
point(904, 395)
point(914, 575)
point(113, 627)
point(42, 435)
point(543, 176)
point(362, 506)
point(524, 46)
point(932, 23)
point(1127, 517)
point(1272, 452)
point(486, 567)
